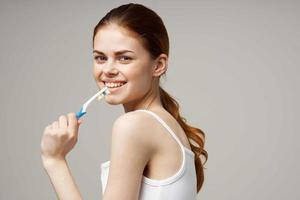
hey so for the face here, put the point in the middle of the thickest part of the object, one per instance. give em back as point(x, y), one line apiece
point(122, 64)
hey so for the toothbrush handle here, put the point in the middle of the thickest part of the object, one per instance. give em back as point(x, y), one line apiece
point(80, 113)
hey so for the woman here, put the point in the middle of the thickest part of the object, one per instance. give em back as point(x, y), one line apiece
point(151, 154)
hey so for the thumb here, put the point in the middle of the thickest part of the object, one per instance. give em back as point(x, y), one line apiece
point(80, 121)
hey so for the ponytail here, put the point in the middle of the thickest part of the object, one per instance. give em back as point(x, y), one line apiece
point(193, 133)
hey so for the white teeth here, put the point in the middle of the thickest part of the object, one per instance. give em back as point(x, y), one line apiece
point(113, 85)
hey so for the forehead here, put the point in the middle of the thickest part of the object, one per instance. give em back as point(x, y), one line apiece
point(112, 38)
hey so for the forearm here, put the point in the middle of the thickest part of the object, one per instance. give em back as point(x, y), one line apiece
point(62, 180)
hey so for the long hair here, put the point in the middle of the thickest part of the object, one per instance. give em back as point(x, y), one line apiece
point(149, 26)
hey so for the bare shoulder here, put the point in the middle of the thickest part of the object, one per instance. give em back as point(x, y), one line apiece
point(131, 118)
point(131, 149)
point(132, 132)
point(133, 124)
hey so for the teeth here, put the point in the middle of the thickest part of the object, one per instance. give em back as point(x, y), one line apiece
point(113, 85)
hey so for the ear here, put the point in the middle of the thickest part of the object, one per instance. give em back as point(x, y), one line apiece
point(160, 65)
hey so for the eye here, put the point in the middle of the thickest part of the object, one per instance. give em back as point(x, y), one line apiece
point(99, 58)
point(125, 58)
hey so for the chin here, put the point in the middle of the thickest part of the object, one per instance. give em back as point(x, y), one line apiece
point(113, 102)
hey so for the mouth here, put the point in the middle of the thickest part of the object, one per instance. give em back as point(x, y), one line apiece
point(114, 86)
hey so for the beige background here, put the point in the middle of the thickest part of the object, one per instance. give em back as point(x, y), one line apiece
point(234, 68)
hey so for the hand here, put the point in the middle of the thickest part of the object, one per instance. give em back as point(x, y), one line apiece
point(60, 137)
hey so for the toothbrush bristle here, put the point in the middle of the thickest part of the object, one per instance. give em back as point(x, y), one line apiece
point(106, 92)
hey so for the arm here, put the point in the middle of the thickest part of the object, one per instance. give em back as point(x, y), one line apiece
point(58, 139)
point(131, 150)
point(62, 180)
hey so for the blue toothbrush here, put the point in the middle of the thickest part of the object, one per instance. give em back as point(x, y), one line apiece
point(102, 93)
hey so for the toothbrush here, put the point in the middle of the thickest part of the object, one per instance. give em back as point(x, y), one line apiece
point(102, 93)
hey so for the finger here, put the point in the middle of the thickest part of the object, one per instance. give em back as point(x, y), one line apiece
point(48, 127)
point(63, 122)
point(73, 123)
point(55, 125)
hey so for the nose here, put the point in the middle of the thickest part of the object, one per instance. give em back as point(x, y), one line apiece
point(109, 69)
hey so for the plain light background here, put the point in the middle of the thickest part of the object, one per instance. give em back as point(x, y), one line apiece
point(233, 67)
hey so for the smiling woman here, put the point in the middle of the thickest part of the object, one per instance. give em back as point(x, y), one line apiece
point(112, 44)
point(152, 154)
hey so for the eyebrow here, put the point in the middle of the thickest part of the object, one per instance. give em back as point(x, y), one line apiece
point(117, 52)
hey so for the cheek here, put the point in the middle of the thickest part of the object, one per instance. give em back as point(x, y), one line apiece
point(96, 72)
point(141, 80)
